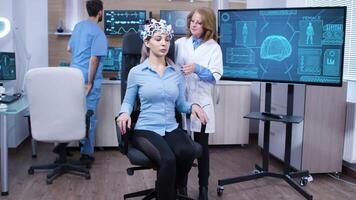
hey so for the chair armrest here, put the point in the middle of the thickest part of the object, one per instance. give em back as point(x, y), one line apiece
point(122, 140)
point(203, 126)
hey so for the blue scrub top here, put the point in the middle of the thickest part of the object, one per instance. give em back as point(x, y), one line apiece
point(88, 40)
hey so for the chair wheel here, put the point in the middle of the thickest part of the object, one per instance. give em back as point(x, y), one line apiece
point(49, 182)
point(31, 171)
point(220, 190)
point(303, 181)
point(130, 172)
point(88, 177)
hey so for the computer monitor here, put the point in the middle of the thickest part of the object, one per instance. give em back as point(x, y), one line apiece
point(290, 45)
point(119, 22)
point(112, 61)
point(177, 18)
point(7, 66)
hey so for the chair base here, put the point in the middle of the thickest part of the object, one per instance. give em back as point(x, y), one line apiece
point(151, 194)
point(148, 194)
point(62, 166)
point(58, 169)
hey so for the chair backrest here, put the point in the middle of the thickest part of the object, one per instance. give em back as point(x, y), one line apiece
point(57, 103)
point(131, 54)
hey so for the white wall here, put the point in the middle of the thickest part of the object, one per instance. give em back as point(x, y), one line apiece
point(351, 91)
point(275, 3)
point(6, 43)
point(219, 4)
point(37, 32)
point(31, 36)
point(296, 3)
point(28, 38)
point(19, 25)
point(266, 3)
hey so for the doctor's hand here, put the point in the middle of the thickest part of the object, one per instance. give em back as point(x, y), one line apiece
point(199, 113)
point(87, 88)
point(123, 121)
point(188, 69)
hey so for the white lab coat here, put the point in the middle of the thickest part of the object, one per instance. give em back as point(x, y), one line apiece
point(208, 55)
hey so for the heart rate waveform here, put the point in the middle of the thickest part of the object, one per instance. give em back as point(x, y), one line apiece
point(119, 22)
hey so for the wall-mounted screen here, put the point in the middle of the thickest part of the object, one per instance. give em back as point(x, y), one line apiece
point(119, 22)
point(292, 45)
point(112, 61)
point(7, 66)
point(177, 18)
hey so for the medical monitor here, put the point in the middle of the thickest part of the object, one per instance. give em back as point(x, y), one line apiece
point(7, 66)
point(177, 18)
point(290, 45)
point(119, 22)
point(112, 62)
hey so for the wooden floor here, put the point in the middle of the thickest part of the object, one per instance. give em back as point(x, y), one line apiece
point(110, 181)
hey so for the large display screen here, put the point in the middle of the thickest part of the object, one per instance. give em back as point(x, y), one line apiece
point(292, 45)
point(112, 62)
point(177, 18)
point(119, 22)
point(7, 66)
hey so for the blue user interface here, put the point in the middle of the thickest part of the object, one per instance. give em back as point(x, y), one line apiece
point(177, 18)
point(294, 45)
point(119, 22)
point(7, 66)
point(112, 61)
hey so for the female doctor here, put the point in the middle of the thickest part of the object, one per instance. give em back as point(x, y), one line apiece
point(200, 57)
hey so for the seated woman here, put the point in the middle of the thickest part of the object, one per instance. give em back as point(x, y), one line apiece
point(160, 88)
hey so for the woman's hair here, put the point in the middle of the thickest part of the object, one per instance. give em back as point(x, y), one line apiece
point(208, 20)
point(145, 52)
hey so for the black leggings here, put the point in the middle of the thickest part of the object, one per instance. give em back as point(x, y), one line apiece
point(173, 155)
point(203, 160)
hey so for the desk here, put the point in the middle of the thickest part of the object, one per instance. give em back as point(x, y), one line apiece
point(12, 109)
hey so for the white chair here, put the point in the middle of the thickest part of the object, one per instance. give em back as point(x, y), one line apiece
point(58, 114)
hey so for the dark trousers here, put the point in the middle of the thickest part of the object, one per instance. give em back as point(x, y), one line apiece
point(172, 154)
point(203, 160)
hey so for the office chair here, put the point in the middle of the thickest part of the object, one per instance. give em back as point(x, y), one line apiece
point(58, 115)
point(131, 54)
point(141, 161)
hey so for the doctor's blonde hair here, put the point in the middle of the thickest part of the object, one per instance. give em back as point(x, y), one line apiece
point(208, 20)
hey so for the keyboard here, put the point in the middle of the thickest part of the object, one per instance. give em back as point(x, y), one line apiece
point(7, 99)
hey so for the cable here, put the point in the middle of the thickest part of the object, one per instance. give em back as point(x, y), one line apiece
point(340, 179)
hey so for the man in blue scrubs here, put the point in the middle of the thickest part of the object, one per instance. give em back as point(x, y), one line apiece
point(88, 45)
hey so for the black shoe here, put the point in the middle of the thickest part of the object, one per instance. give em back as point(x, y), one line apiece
point(56, 149)
point(203, 193)
point(87, 159)
point(182, 191)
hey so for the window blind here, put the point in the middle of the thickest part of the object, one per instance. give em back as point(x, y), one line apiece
point(350, 34)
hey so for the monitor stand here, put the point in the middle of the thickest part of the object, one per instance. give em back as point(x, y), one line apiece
point(260, 172)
